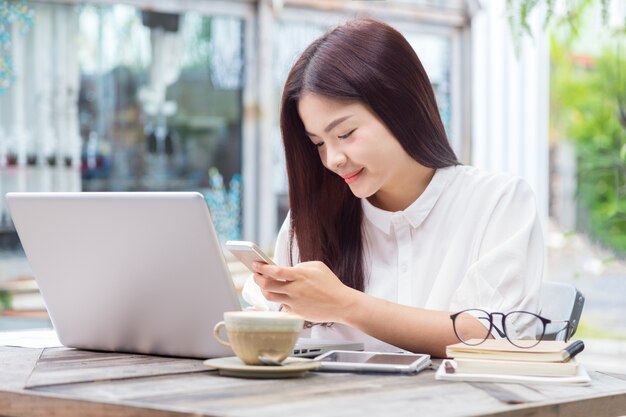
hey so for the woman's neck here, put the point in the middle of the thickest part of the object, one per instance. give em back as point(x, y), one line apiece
point(405, 189)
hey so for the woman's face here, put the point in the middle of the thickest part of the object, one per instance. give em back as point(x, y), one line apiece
point(354, 144)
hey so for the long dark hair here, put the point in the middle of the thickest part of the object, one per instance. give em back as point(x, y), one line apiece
point(367, 61)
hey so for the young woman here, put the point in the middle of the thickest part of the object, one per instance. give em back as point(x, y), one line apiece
point(387, 233)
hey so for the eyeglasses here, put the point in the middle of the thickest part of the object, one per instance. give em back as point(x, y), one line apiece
point(515, 326)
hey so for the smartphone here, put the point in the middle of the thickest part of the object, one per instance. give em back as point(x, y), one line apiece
point(350, 361)
point(247, 253)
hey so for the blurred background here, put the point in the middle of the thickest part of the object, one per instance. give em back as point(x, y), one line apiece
point(140, 95)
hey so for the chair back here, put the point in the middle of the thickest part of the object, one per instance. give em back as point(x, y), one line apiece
point(560, 301)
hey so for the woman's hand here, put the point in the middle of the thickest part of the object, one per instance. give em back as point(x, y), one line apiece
point(309, 289)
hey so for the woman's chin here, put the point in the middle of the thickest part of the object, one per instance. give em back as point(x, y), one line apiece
point(361, 192)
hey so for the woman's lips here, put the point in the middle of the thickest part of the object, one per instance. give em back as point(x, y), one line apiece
point(350, 178)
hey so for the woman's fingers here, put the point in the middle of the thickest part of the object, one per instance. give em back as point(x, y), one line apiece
point(275, 271)
point(272, 289)
point(270, 284)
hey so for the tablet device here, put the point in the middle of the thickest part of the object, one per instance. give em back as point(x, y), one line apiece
point(341, 360)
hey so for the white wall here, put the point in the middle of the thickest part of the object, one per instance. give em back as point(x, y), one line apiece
point(510, 99)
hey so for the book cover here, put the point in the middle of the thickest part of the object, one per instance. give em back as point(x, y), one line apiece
point(545, 351)
point(486, 366)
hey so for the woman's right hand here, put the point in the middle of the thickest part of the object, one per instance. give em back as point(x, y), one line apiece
point(309, 289)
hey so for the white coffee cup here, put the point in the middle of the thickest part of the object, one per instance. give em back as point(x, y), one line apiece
point(253, 334)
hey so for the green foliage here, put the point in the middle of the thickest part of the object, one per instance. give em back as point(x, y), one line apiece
point(586, 96)
point(571, 21)
point(5, 300)
point(593, 330)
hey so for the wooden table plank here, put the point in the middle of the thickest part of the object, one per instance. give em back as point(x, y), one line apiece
point(25, 404)
point(610, 406)
point(64, 366)
point(510, 393)
point(16, 365)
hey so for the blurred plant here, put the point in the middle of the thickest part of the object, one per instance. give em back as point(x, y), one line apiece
point(588, 329)
point(5, 300)
point(225, 205)
point(588, 99)
point(519, 11)
point(197, 34)
point(11, 12)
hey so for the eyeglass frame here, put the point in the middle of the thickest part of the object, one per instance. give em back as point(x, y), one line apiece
point(503, 333)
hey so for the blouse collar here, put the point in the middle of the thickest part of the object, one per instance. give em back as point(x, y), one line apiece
point(417, 211)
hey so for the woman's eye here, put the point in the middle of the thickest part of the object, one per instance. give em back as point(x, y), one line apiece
point(345, 136)
point(318, 145)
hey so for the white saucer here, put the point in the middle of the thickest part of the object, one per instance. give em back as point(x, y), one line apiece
point(232, 366)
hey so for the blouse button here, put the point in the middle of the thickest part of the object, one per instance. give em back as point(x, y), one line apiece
point(403, 268)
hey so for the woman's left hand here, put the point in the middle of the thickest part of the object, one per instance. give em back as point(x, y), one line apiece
point(309, 289)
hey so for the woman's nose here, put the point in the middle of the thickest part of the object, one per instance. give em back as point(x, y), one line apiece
point(335, 158)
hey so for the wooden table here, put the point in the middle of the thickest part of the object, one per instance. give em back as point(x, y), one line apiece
point(67, 382)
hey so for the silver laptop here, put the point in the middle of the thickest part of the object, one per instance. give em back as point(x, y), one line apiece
point(130, 272)
point(310, 348)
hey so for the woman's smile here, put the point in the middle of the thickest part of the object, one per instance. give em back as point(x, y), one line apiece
point(353, 176)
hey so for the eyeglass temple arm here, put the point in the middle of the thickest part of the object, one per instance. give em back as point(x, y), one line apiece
point(568, 328)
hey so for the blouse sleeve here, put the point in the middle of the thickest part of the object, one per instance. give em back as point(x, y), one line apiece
point(251, 292)
point(507, 272)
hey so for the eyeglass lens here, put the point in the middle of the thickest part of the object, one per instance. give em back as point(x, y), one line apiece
point(466, 329)
point(522, 328)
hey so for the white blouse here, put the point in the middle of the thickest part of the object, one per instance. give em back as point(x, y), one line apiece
point(471, 240)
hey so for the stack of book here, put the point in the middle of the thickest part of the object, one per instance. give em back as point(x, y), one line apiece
point(20, 297)
point(500, 361)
